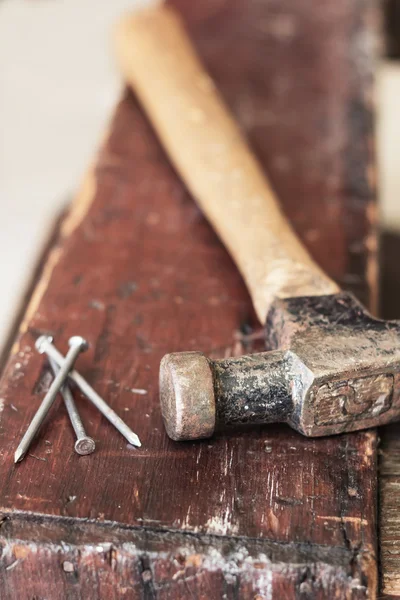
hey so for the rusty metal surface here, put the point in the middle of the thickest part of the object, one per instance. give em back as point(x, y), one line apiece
point(187, 390)
point(334, 369)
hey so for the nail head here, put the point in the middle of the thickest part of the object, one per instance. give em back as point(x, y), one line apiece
point(85, 445)
point(78, 340)
point(43, 341)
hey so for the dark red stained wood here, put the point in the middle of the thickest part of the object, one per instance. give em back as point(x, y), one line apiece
point(139, 272)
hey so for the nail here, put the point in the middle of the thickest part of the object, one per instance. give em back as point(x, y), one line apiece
point(77, 345)
point(84, 444)
point(52, 352)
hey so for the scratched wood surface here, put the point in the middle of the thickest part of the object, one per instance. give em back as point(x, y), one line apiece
point(136, 270)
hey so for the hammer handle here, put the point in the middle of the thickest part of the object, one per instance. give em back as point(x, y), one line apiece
point(209, 151)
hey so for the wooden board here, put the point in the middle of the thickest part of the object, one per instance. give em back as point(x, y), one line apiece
point(136, 270)
point(389, 459)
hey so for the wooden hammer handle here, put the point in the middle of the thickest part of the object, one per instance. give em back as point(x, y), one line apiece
point(213, 158)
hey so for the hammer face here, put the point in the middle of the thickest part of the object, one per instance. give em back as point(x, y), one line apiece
point(187, 396)
point(354, 360)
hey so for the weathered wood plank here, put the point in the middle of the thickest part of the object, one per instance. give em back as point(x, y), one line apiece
point(100, 560)
point(389, 483)
point(139, 272)
point(138, 279)
point(389, 463)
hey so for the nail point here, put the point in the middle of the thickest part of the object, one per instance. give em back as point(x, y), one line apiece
point(134, 440)
point(18, 456)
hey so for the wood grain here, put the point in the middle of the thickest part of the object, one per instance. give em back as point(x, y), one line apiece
point(138, 271)
point(389, 459)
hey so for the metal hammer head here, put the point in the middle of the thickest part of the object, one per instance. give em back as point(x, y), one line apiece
point(333, 368)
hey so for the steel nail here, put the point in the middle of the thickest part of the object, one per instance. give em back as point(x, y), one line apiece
point(84, 444)
point(90, 393)
point(77, 345)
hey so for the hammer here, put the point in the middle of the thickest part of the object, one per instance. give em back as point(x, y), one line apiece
point(332, 366)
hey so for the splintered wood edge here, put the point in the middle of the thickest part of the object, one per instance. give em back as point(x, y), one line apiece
point(35, 537)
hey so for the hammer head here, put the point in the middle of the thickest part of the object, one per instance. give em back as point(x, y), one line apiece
point(333, 368)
